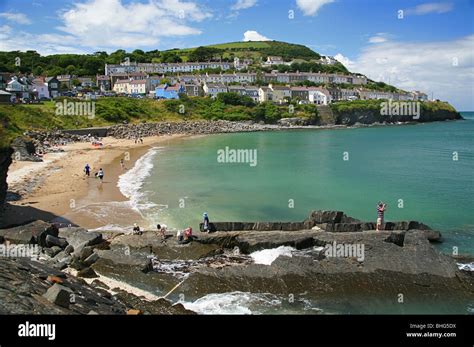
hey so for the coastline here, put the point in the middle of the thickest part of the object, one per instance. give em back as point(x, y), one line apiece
point(54, 189)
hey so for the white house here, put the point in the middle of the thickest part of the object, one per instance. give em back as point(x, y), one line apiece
point(41, 89)
point(122, 86)
point(318, 96)
point(212, 89)
point(138, 87)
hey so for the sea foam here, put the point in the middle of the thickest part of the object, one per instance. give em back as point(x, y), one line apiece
point(131, 182)
point(268, 256)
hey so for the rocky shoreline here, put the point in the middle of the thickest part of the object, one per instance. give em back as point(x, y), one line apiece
point(394, 262)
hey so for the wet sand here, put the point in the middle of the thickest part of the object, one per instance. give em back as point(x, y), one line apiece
point(57, 189)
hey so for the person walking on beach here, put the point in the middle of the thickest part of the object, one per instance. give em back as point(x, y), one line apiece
point(100, 174)
point(122, 165)
point(87, 170)
point(206, 226)
point(381, 207)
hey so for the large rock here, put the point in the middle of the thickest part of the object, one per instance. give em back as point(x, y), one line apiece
point(80, 237)
point(23, 283)
point(59, 295)
point(24, 149)
point(35, 233)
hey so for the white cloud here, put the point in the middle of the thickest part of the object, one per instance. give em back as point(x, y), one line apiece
point(19, 18)
point(243, 4)
point(445, 68)
point(252, 35)
point(311, 7)
point(112, 24)
point(434, 7)
point(378, 38)
point(349, 64)
point(43, 44)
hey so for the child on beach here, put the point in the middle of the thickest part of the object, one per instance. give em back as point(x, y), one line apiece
point(381, 207)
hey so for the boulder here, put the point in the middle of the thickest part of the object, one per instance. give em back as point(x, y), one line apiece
point(34, 232)
point(80, 237)
point(91, 259)
point(24, 150)
point(320, 217)
point(53, 251)
point(87, 273)
point(59, 295)
point(69, 249)
point(85, 252)
point(55, 241)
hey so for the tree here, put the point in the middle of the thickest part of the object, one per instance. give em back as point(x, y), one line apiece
point(170, 57)
point(204, 53)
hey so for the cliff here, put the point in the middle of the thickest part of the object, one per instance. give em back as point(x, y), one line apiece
point(380, 111)
point(5, 161)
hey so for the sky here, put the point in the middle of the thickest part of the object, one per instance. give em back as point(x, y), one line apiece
point(412, 44)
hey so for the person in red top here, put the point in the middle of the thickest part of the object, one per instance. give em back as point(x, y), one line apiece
point(188, 233)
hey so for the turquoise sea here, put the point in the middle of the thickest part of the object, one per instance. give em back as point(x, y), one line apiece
point(424, 172)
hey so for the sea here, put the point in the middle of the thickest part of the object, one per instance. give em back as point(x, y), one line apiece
point(423, 172)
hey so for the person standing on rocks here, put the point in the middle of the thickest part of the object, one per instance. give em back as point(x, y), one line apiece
point(206, 226)
point(381, 207)
point(162, 231)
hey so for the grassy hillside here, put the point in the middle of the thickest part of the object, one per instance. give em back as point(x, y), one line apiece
point(15, 120)
point(254, 49)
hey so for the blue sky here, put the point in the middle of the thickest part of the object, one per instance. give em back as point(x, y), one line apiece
point(431, 48)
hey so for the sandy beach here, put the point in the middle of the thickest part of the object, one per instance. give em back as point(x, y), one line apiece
point(57, 189)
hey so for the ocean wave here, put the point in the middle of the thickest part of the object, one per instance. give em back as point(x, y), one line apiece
point(131, 182)
point(466, 267)
point(268, 256)
point(233, 303)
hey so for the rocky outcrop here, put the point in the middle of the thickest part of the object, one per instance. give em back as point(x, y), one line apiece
point(188, 127)
point(372, 115)
point(331, 221)
point(32, 233)
point(393, 263)
point(5, 161)
point(24, 150)
point(30, 287)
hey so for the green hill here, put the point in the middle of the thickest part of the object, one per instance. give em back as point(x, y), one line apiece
point(255, 50)
point(92, 64)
